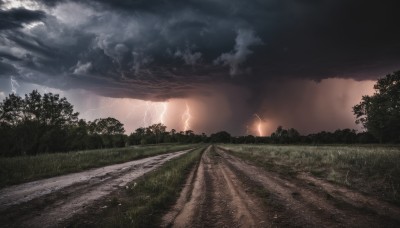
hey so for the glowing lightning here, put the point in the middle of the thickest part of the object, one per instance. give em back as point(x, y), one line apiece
point(186, 118)
point(146, 114)
point(162, 114)
point(154, 110)
point(259, 125)
point(14, 85)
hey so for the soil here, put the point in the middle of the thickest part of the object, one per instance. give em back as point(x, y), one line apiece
point(221, 191)
point(225, 191)
point(50, 202)
point(215, 198)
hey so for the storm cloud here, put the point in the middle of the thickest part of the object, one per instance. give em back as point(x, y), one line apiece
point(160, 50)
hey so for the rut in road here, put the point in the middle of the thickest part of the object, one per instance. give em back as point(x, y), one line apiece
point(225, 191)
point(305, 201)
point(48, 202)
point(217, 199)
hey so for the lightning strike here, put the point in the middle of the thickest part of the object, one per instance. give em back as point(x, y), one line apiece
point(14, 85)
point(164, 106)
point(156, 110)
point(186, 116)
point(146, 114)
point(259, 125)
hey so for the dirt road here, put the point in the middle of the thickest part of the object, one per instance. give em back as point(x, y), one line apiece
point(48, 202)
point(216, 198)
point(225, 191)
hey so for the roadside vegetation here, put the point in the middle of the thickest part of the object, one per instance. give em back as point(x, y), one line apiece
point(143, 201)
point(370, 169)
point(14, 170)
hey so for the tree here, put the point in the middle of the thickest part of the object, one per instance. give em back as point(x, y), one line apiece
point(221, 137)
point(53, 110)
point(380, 113)
point(107, 126)
point(47, 123)
point(157, 130)
point(282, 135)
point(49, 110)
point(12, 110)
point(35, 124)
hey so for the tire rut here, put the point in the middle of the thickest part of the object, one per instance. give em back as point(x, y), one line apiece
point(313, 203)
point(218, 199)
point(60, 203)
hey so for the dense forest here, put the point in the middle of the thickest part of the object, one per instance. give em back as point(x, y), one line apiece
point(47, 123)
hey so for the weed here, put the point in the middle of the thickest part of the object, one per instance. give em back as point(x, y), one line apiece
point(371, 169)
point(147, 198)
point(27, 168)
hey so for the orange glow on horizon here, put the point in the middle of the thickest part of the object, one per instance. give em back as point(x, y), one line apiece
point(310, 107)
point(259, 125)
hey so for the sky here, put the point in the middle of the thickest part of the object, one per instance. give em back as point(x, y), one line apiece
point(207, 65)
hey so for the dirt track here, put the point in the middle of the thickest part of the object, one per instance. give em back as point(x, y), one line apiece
point(216, 199)
point(48, 202)
point(224, 191)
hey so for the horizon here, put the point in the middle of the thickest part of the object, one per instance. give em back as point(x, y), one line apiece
point(202, 66)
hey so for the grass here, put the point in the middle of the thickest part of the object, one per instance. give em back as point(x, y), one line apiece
point(371, 169)
point(144, 201)
point(17, 170)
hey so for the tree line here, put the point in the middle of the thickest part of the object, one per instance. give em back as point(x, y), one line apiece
point(292, 136)
point(47, 123)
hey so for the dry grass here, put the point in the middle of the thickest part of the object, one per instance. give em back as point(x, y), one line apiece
point(17, 170)
point(145, 200)
point(372, 169)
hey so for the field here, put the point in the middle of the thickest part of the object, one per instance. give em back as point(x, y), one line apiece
point(16, 170)
point(222, 185)
point(370, 169)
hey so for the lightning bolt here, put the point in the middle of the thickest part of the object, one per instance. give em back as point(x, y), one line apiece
point(146, 114)
point(186, 116)
point(154, 110)
point(14, 85)
point(164, 107)
point(259, 125)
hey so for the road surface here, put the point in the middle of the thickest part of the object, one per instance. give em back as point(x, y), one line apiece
point(49, 202)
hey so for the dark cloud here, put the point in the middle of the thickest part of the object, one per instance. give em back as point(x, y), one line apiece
point(151, 49)
point(15, 18)
point(7, 69)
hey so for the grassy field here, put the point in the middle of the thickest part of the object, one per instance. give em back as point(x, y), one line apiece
point(144, 201)
point(27, 168)
point(371, 169)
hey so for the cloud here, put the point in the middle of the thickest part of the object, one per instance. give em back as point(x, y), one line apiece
point(160, 50)
point(82, 68)
point(7, 69)
point(16, 18)
point(189, 57)
point(244, 40)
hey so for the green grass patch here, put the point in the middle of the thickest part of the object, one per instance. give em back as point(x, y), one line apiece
point(17, 170)
point(146, 199)
point(372, 169)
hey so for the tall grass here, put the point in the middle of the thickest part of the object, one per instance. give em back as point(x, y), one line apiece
point(145, 200)
point(16, 170)
point(372, 169)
